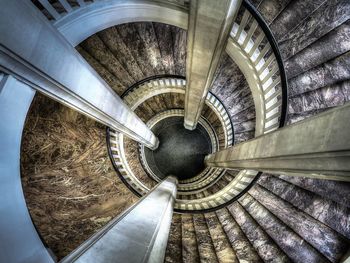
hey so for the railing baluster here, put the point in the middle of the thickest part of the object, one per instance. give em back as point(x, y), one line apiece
point(274, 95)
point(66, 5)
point(257, 43)
point(81, 3)
point(262, 53)
point(272, 72)
point(250, 33)
point(274, 116)
point(271, 128)
point(266, 64)
point(272, 85)
point(50, 9)
point(243, 24)
point(273, 106)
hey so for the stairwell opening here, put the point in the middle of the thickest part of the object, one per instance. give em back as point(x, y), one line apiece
point(180, 152)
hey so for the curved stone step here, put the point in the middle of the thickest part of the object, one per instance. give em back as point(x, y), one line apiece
point(291, 243)
point(331, 45)
point(338, 192)
point(270, 9)
point(327, 241)
point(222, 246)
point(332, 214)
point(173, 252)
point(315, 26)
point(293, 14)
point(267, 249)
point(245, 252)
point(331, 72)
point(190, 252)
point(206, 248)
point(100, 52)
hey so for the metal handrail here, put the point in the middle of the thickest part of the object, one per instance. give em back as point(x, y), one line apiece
point(273, 43)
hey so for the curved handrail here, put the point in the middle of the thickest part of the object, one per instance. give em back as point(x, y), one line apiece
point(273, 43)
point(139, 83)
point(110, 154)
point(212, 209)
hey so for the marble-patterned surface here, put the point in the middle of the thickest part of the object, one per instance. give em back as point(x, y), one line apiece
point(327, 17)
point(97, 48)
point(295, 12)
point(267, 249)
point(213, 189)
point(179, 37)
point(138, 48)
point(296, 248)
point(242, 137)
point(329, 73)
point(336, 191)
point(69, 184)
point(110, 79)
point(206, 249)
point(295, 117)
point(173, 252)
point(326, 211)
point(190, 252)
point(327, 241)
point(313, 102)
point(165, 42)
point(326, 97)
point(245, 115)
point(144, 111)
point(120, 50)
point(270, 9)
point(134, 51)
point(232, 89)
point(245, 252)
point(331, 45)
point(222, 182)
point(223, 248)
point(227, 73)
point(151, 45)
point(245, 126)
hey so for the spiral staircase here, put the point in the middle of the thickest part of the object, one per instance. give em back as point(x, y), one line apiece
point(284, 62)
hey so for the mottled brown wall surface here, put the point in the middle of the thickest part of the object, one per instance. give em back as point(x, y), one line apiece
point(69, 183)
point(125, 54)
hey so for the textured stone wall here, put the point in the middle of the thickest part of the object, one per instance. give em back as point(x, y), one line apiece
point(128, 53)
point(69, 184)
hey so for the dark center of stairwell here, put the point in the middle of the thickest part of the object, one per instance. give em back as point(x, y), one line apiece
point(181, 152)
